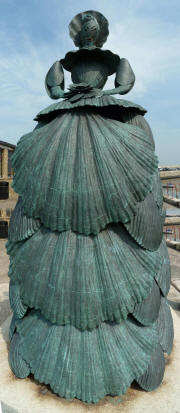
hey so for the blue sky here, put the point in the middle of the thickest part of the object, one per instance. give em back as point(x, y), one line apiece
point(34, 34)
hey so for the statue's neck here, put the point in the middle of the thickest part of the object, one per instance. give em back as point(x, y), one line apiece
point(89, 46)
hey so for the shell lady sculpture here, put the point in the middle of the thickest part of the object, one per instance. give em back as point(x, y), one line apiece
point(88, 266)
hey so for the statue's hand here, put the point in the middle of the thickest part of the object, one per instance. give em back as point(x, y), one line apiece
point(97, 93)
point(57, 92)
point(108, 92)
point(120, 90)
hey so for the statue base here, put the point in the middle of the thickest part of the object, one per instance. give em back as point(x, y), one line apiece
point(27, 396)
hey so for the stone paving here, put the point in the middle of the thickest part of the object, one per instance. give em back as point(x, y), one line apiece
point(4, 283)
point(7, 409)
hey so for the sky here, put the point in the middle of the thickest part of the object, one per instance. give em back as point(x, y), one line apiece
point(34, 34)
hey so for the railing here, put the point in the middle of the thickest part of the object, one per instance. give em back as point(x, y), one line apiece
point(172, 232)
point(171, 190)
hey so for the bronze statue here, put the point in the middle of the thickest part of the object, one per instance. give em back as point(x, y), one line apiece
point(89, 268)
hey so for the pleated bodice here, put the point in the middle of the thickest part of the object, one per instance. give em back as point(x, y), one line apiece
point(94, 73)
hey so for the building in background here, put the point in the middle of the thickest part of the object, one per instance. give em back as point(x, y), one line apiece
point(170, 179)
point(6, 172)
point(8, 197)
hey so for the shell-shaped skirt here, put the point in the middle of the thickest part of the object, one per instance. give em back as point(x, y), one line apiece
point(89, 269)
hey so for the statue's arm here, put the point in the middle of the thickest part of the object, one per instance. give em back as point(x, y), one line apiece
point(124, 80)
point(54, 81)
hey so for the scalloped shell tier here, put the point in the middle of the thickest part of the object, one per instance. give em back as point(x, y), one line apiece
point(84, 279)
point(145, 227)
point(21, 226)
point(82, 171)
point(87, 365)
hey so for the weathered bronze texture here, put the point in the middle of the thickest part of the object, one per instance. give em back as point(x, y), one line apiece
point(89, 268)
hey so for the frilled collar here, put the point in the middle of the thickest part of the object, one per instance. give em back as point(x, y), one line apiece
point(106, 56)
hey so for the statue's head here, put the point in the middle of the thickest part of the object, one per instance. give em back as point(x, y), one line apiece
point(89, 31)
point(89, 28)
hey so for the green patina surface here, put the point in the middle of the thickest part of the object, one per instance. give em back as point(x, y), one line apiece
point(89, 269)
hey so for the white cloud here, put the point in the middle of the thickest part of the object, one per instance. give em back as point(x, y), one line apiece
point(152, 46)
point(22, 90)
